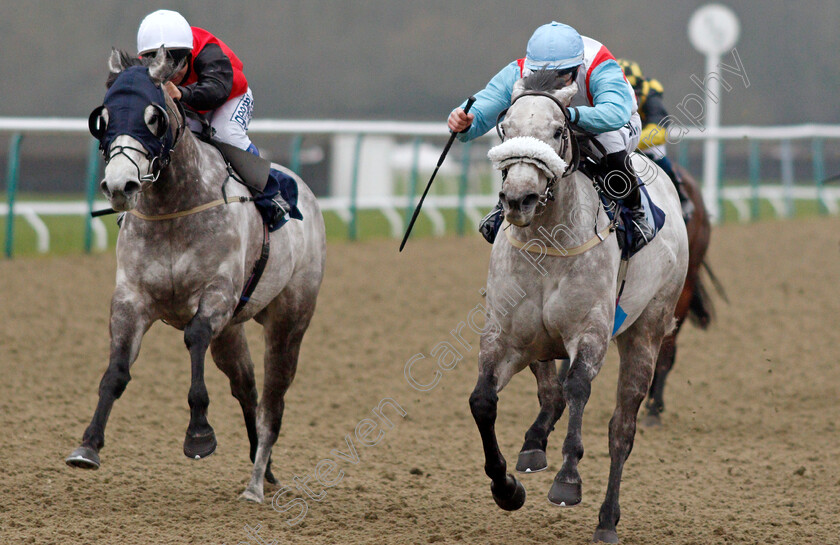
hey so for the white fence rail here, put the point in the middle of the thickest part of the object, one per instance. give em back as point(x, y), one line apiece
point(743, 198)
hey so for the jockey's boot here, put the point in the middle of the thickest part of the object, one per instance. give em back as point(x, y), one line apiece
point(270, 203)
point(620, 177)
point(489, 225)
point(685, 203)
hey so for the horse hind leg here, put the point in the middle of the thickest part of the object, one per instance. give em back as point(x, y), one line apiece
point(283, 337)
point(655, 405)
point(637, 352)
point(532, 456)
point(231, 354)
point(508, 492)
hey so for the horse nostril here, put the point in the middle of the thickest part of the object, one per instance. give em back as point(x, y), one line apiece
point(103, 186)
point(502, 197)
point(530, 200)
point(131, 187)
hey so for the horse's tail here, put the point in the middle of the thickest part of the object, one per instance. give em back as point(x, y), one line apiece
point(701, 310)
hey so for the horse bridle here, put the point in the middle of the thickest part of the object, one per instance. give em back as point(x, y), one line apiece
point(568, 141)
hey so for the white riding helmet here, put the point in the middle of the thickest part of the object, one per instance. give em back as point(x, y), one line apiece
point(164, 28)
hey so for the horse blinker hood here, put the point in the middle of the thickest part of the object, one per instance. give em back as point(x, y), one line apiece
point(126, 102)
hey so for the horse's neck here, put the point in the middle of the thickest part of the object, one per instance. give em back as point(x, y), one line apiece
point(185, 183)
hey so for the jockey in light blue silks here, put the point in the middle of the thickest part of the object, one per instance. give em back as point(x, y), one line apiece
point(605, 105)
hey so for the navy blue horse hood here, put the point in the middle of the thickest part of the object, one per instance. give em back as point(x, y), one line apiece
point(126, 102)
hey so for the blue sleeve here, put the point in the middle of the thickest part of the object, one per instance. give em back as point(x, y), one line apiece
point(491, 100)
point(612, 98)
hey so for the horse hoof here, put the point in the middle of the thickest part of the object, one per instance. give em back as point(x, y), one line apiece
point(605, 536)
point(199, 446)
point(565, 494)
point(531, 461)
point(250, 495)
point(269, 476)
point(511, 499)
point(651, 420)
point(83, 457)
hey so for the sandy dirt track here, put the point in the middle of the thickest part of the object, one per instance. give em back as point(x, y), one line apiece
point(749, 451)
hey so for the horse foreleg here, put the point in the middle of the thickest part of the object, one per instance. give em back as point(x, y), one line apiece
point(128, 324)
point(550, 393)
point(231, 354)
point(635, 373)
point(566, 490)
point(508, 492)
point(200, 439)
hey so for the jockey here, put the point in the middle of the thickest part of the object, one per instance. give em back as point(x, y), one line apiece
point(604, 105)
point(652, 111)
point(211, 83)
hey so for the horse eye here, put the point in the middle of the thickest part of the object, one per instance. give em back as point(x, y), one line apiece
point(558, 133)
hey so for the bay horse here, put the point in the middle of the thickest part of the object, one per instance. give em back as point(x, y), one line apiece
point(185, 251)
point(566, 308)
point(695, 302)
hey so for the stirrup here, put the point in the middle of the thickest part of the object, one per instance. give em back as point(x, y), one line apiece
point(489, 224)
point(642, 231)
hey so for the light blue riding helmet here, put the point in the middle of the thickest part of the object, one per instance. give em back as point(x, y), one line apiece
point(554, 46)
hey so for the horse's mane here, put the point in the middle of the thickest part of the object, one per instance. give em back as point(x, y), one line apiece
point(127, 60)
point(541, 80)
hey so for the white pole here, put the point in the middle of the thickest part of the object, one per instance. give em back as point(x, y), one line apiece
point(711, 147)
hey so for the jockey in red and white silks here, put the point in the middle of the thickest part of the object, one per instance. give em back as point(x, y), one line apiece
point(212, 82)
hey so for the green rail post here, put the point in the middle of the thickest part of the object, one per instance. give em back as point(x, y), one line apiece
point(294, 162)
point(721, 172)
point(786, 154)
point(353, 228)
point(819, 173)
point(462, 188)
point(12, 171)
point(412, 184)
point(92, 174)
point(755, 178)
point(682, 154)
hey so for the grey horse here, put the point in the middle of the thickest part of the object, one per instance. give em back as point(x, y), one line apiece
point(551, 294)
point(183, 256)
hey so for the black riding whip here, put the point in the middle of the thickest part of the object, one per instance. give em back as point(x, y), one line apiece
point(469, 104)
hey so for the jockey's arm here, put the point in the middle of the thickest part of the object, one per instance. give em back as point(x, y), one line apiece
point(612, 98)
point(652, 134)
point(491, 100)
point(215, 80)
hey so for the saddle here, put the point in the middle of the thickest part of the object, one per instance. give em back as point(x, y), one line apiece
point(592, 164)
point(274, 192)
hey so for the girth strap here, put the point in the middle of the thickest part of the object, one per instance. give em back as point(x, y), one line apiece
point(256, 273)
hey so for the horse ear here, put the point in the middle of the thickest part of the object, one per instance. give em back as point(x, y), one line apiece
point(567, 93)
point(158, 70)
point(115, 61)
point(518, 87)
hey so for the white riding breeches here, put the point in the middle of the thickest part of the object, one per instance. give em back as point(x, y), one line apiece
point(230, 120)
point(624, 139)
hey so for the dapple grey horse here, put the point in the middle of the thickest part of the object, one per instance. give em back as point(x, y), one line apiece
point(544, 307)
point(185, 264)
